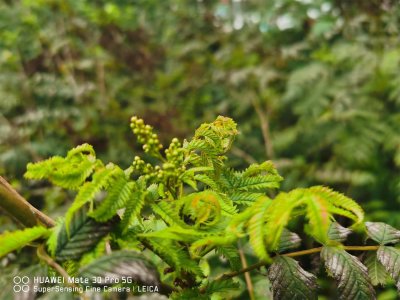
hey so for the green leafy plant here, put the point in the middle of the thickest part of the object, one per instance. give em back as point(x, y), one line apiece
point(160, 220)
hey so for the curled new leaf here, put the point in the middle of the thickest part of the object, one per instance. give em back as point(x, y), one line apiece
point(382, 233)
point(69, 172)
point(290, 281)
point(350, 273)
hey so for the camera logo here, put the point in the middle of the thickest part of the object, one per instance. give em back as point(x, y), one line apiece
point(21, 284)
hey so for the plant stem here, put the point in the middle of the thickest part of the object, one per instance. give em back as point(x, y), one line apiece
point(247, 277)
point(293, 254)
point(20, 209)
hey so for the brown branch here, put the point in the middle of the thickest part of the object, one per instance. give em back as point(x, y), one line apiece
point(19, 209)
point(250, 288)
point(265, 130)
point(292, 254)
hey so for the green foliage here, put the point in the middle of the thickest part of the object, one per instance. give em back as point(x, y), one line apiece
point(69, 172)
point(163, 220)
point(11, 241)
point(314, 85)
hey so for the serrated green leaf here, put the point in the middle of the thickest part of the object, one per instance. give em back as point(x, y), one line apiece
point(389, 257)
point(337, 232)
point(121, 264)
point(289, 240)
point(349, 272)
point(382, 233)
point(132, 209)
point(117, 196)
point(221, 286)
point(232, 255)
point(89, 190)
point(256, 227)
point(319, 216)
point(290, 281)
point(376, 270)
point(174, 255)
point(189, 294)
point(10, 241)
point(84, 234)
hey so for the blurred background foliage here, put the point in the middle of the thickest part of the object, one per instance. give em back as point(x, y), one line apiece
point(313, 84)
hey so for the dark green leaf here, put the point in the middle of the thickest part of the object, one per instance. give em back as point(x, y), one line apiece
point(121, 264)
point(382, 233)
point(289, 240)
point(337, 232)
point(349, 272)
point(390, 259)
point(290, 281)
point(84, 234)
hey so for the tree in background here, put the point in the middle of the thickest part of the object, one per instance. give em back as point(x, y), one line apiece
point(314, 85)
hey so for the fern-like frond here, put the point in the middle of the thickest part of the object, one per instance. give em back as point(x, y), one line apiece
point(340, 201)
point(256, 227)
point(278, 215)
point(88, 191)
point(133, 208)
point(69, 172)
point(168, 214)
point(118, 195)
point(175, 256)
point(319, 217)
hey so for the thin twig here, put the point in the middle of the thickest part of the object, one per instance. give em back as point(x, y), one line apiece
point(244, 155)
point(265, 130)
point(292, 254)
point(250, 288)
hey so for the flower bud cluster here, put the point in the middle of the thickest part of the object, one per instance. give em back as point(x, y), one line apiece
point(175, 155)
point(146, 137)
